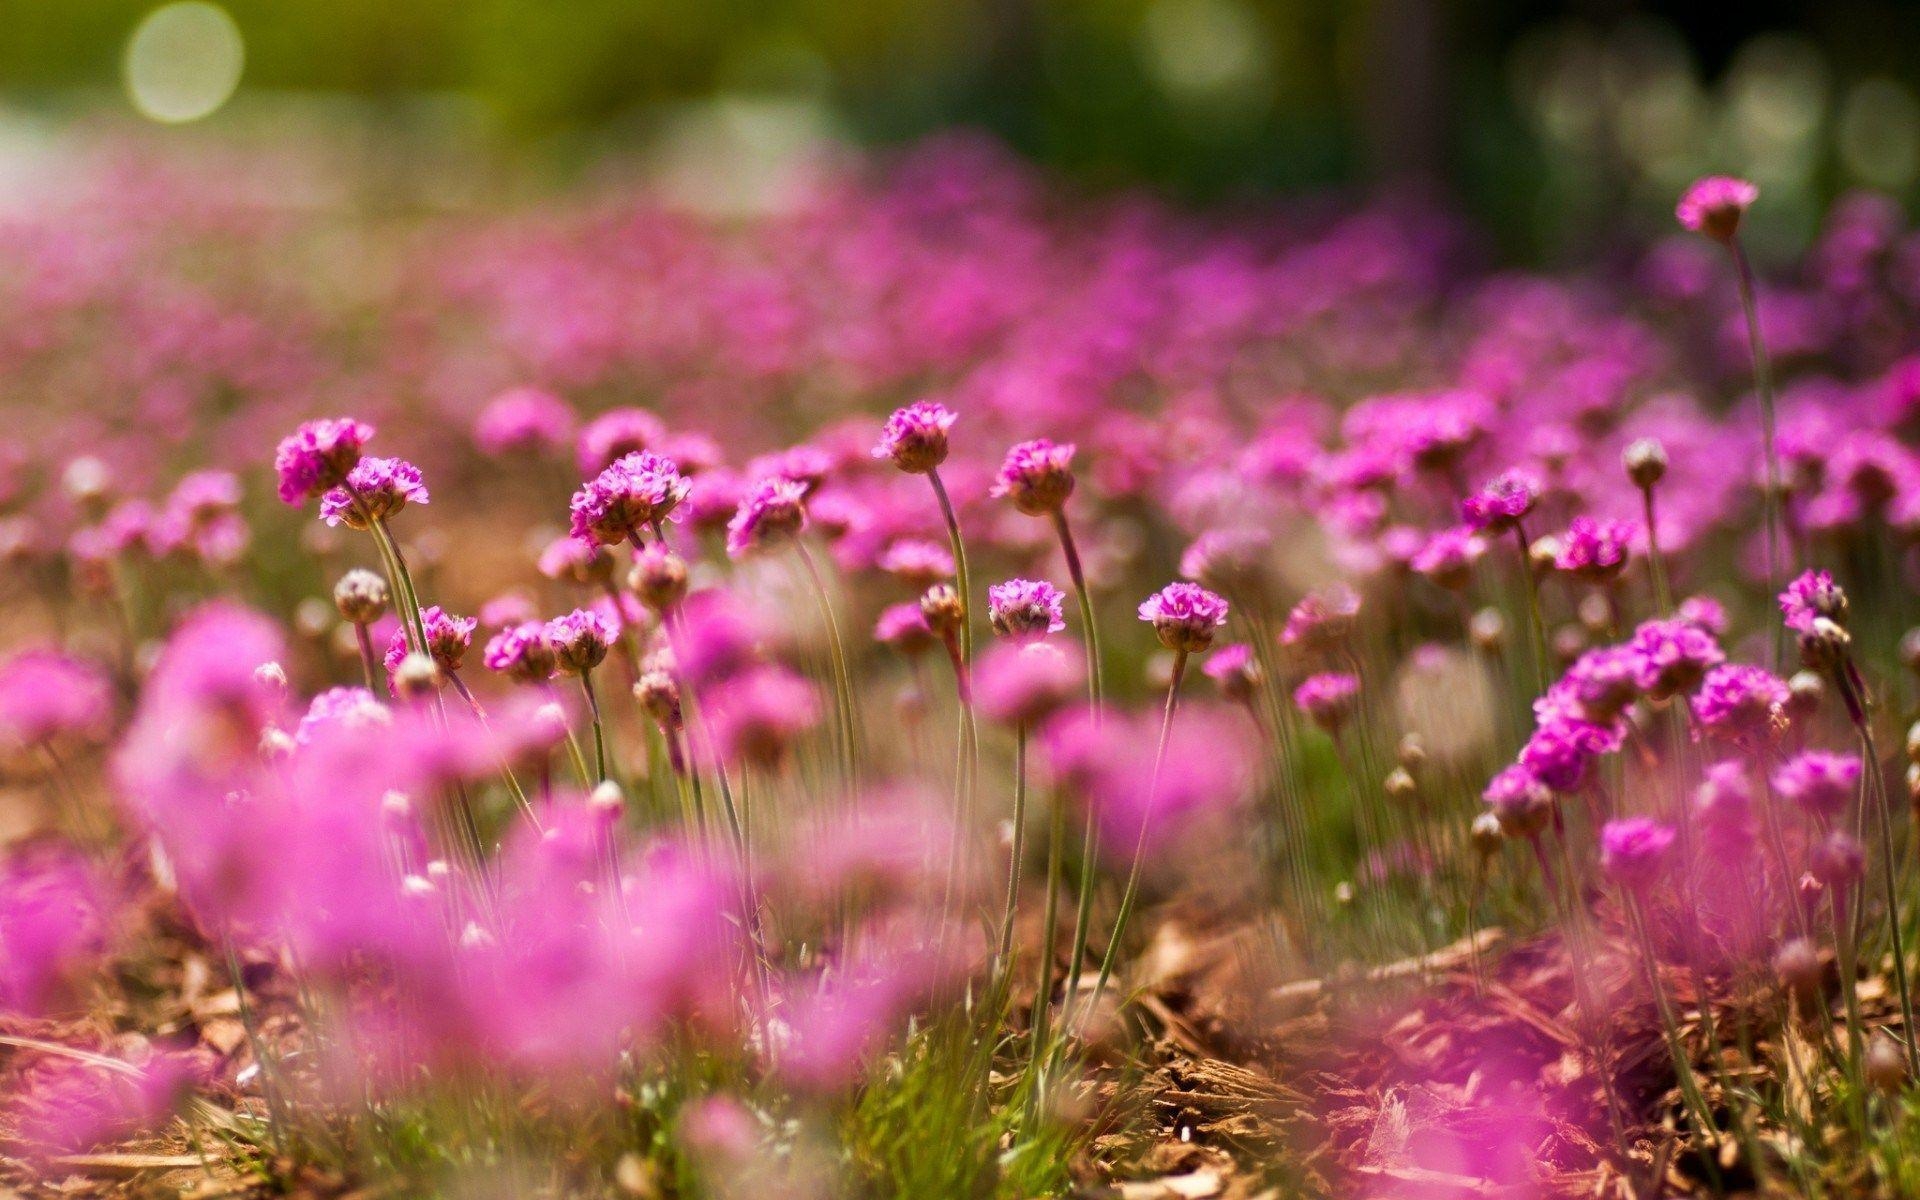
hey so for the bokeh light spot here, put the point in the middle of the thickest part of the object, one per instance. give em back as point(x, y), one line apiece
point(183, 61)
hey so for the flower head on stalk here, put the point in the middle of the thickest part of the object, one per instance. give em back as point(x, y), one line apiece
point(1502, 503)
point(631, 494)
point(915, 437)
point(1671, 658)
point(448, 638)
point(1739, 702)
point(1184, 616)
point(521, 651)
point(523, 420)
point(773, 513)
point(317, 457)
point(1809, 598)
point(46, 694)
point(904, 628)
point(375, 489)
point(1327, 699)
point(1025, 609)
point(1594, 549)
point(580, 640)
point(1715, 205)
point(1634, 851)
point(917, 561)
point(1322, 619)
point(1519, 801)
point(1235, 671)
point(757, 714)
point(1023, 682)
point(1817, 782)
point(1037, 476)
point(615, 434)
point(1723, 805)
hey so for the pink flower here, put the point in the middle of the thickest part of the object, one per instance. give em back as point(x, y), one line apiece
point(523, 420)
point(1502, 503)
point(1820, 783)
point(45, 694)
point(1021, 683)
point(1738, 702)
point(758, 714)
point(1024, 609)
point(1713, 206)
point(521, 651)
point(917, 562)
point(615, 434)
point(1810, 597)
point(580, 640)
point(904, 628)
point(316, 457)
point(915, 437)
point(772, 514)
point(448, 637)
point(1634, 850)
point(1322, 618)
point(1327, 699)
point(1594, 549)
point(1037, 476)
point(632, 494)
point(375, 489)
point(1184, 616)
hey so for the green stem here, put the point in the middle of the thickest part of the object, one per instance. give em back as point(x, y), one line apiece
point(842, 675)
point(1763, 388)
point(599, 729)
point(1019, 848)
point(961, 575)
point(1090, 629)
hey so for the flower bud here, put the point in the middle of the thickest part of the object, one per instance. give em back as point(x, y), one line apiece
point(416, 888)
point(1646, 462)
point(659, 698)
point(1805, 693)
point(1884, 1064)
point(1486, 835)
point(1838, 860)
point(361, 596)
point(1798, 966)
point(1910, 651)
point(1913, 743)
point(942, 608)
point(417, 677)
point(607, 800)
point(1400, 784)
point(271, 677)
point(276, 745)
point(659, 578)
point(1488, 630)
point(1410, 753)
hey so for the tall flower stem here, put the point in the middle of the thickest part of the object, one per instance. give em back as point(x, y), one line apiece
point(961, 575)
point(1090, 629)
point(1536, 622)
point(1656, 562)
point(842, 676)
point(599, 727)
point(1042, 1020)
point(369, 661)
point(1763, 389)
point(1019, 847)
point(1676, 1046)
point(1130, 894)
point(1881, 803)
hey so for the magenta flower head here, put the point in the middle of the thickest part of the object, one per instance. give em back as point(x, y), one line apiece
point(316, 458)
point(1594, 550)
point(521, 651)
point(1817, 782)
point(448, 638)
point(1634, 851)
point(45, 694)
point(1037, 476)
point(1025, 609)
point(1671, 658)
point(773, 513)
point(1723, 805)
point(523, 420)
point(904, 628)
point(1519, 801)
point(1739, 702)
point(1714, 206)
point(631, 494)
point(1327, 699)
point(1812, 596)
point(1022, 683)
point(1322, 619)
point(375, 489)
point(1502, 503)
point(580, 640)
point(757, 714)
point(1234, 560)
point(569, 559)
point(615, 434)
point(917, 562)
point(1603, 682)
point(1184, 616)
point(1235, 671)
point(915, 437)
point(1448, 556)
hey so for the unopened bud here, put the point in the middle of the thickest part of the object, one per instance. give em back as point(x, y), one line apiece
point(417, 677)
point(396, 806)
point(1646, 462)
point(1486, 835)
point(942, 608)
point(1410, 753)
point(1596, 613)
point(659, 578)
point(416, 888)
point(1806, 691)
point(1543, 553)
point(1910, 651)
point(1838, 860)
point(1399, 784)
point(607, 800)
point(87, 481)
point(659, 698)
point(1488, 629)
point(1797, 964)
point(1913, 743)
point(1885, 1064)
point(361, 596)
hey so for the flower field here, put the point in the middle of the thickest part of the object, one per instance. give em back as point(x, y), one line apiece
point(948, 686)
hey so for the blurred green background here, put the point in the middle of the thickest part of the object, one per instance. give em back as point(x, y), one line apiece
point(1540, 118)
